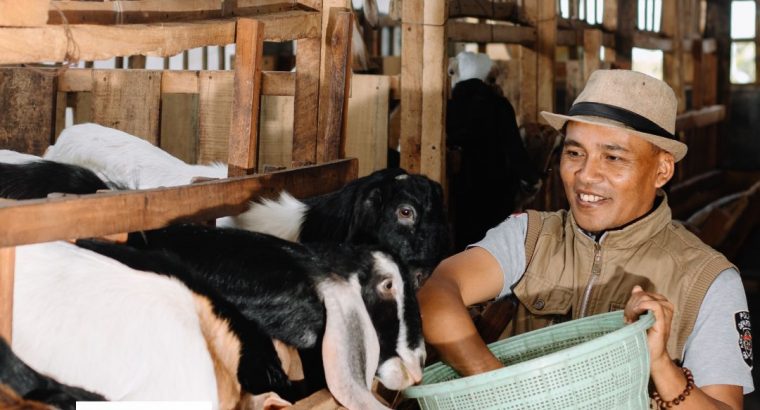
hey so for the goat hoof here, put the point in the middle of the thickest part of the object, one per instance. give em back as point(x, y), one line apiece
point(260, 376)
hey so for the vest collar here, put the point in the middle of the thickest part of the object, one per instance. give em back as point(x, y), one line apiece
point(634, 234)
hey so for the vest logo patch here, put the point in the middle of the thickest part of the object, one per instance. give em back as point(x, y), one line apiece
point(744, 328)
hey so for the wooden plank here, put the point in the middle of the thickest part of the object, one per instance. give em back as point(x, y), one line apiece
point(27, 110)
point(276, 132)
point(487, 9)
point(91, 42)
point(700, 118)
point(434, 95)
point(673, 59)
point(698, 79)
point(367, 132)
point(82, 107)
point(411, 95)
point(60, 114)
point(592, 42)
point(128, 100)
point(178, 81)
point(152, 11)
point(610, 15)
point(334, 86)
point(306, 102)
point(42, 220)
point(244, 131)
point(214, 116)
point(7, 267)
point(179, 126)
point(528, 104)
point(490, 33)
point(27, 13)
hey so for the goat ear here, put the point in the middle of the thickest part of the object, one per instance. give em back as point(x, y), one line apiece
point(365, 211)
point(350, 348)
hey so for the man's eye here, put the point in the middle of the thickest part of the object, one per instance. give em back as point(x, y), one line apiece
point(571, 153)
point(613, 158)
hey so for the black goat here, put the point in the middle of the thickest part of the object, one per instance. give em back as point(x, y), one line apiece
point(266, 287)
point(32, 385)
point(389, 208)
point(495, 167)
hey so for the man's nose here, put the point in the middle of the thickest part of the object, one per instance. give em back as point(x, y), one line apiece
point(590, 171)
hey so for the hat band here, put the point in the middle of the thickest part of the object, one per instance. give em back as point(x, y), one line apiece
point(629, 118)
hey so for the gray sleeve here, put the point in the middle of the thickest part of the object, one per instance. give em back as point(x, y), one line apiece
point(506, 243)
point(719, 349)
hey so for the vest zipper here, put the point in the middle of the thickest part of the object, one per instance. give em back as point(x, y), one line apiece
point(596, 269)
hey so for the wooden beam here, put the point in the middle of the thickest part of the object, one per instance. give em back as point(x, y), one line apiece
point(652, 41)
point(700, 118)
point(610, 16)
point(624, 37)
point(27, 110)
point(42, 220)
point(486, 9)
point(490, 33)
point(306, 101)
point(92, 42)
point(434, 94)
point(156, 11)
point(7, 266)
point(546, 24)
point(27, 13)
point(673, 59)
point(175, 81)
point(244, 131)
point(128, 100)
point(334, 86)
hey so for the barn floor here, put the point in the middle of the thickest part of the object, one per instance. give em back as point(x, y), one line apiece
point(748, 263)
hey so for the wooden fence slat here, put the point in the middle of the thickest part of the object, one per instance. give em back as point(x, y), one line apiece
point(214, 116)
point(411, 94)
point(334, 86)
point(244, 131)
point(42, 220)
point(592, 42)
point(128, 100)
point(306, 102)
point(276, 132)
point(434, 92)
point(367, 132)
point(23, 13)
point(7, 267)
point(27, 110)
point(179, 126)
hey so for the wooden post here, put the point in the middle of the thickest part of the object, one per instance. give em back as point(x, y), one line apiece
point(244, 130)
point(423, 87)
point(334, 86)
point(7, 266)
point(543, 15)
point(592, 42)
point(306, 102)
point(137, 61)
point(673, 61)
point(626, 26)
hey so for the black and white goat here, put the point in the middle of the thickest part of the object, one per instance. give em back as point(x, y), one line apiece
point(357, 300)
point(390, 208)
point(495, 168)
point(31, 385)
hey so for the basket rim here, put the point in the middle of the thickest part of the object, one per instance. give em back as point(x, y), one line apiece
point(644, 322)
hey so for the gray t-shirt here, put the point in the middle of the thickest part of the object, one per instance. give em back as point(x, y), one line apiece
point(719, 349)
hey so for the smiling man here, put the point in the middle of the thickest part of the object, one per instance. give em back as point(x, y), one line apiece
point(616, 248)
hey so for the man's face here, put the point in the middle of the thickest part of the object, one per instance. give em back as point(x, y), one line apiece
point(610, 175)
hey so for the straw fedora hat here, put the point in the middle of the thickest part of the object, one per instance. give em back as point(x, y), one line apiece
point(627, 99)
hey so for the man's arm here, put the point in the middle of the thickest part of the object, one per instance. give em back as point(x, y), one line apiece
point(669, 380)
point(470, 277)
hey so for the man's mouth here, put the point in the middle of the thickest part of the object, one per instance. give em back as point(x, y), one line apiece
point(590, 198)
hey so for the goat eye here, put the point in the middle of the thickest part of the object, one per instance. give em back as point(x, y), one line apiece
point(386, 289)
point(405, 214)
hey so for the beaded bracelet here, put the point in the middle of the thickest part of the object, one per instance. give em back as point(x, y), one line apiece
point(661, 404)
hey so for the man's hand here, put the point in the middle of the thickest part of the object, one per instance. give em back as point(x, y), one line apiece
point(657, 336)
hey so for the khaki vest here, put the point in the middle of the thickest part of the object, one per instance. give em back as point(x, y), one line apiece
point(569, 275)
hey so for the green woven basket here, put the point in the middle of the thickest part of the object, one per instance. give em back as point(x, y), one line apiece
point(592, 363)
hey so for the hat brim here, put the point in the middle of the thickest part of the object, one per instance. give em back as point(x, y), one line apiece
point(677, 148)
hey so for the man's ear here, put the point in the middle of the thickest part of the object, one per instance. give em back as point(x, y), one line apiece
point(665, 168)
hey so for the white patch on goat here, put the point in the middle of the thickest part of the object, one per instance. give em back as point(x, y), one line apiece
point(282, 218)
point(125, 159)
point(92, 322)
point(401, 177)
point(13, 157)
point(406, 370)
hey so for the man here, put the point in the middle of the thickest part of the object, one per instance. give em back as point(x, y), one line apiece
point(617, 248)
